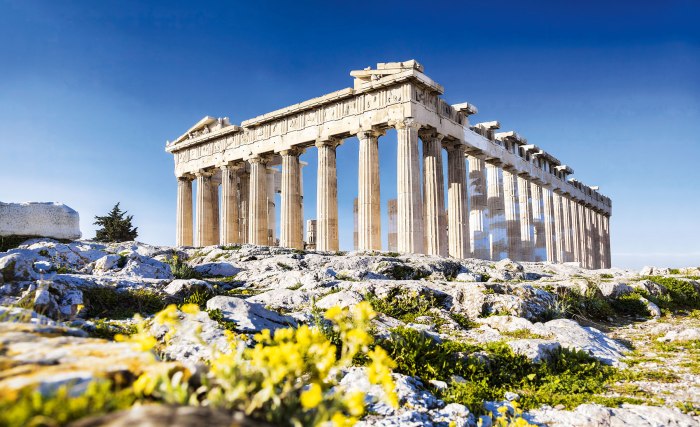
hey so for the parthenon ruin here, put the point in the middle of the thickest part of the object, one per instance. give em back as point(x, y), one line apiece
point(506, 197)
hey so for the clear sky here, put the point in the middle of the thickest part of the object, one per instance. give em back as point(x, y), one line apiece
point(91, 90)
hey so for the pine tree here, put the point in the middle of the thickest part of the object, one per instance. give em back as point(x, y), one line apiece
point(116, 227)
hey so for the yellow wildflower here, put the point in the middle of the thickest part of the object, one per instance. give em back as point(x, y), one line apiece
point(190, 308)
point(334, 313)
point(168, 316)
point(340, 420)
point(356, 403)
point(311, 397)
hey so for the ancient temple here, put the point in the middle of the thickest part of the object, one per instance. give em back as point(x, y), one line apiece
point(506, 197)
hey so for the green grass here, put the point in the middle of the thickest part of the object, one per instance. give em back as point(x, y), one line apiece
point(406, 306)
point(31, 408)
point(570, 378)
point(102, 302)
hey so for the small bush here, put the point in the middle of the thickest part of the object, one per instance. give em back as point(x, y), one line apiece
point(217, 316)
point(182, 270)
point(630, 305)
point(682, 294)
point(107, 329)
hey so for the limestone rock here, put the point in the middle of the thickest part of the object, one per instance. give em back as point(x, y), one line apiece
point(18, 264)
point(282, 299)
point(193, 340)
point(341, 299)
point(614, 289)
point(106, 263)
point(537, 350)
point(594, 342)
point(249, 317)
point(652, 308)
point(217, 269)
point(651, 287)
point(47, 219)
point(184, 287)
point(625, 416)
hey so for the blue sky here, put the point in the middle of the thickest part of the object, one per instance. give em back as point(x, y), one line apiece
point(90, 91)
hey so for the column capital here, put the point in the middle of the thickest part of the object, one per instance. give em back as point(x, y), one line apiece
point(294, 151)
point(204, 173)
point(233, 166)
point(186, 177)
point(328, 142)
point(426, 134)
point(407, 123)
point(370, 133)
point(258, 158)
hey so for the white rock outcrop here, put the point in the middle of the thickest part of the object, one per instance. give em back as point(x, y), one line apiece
point(45, 219)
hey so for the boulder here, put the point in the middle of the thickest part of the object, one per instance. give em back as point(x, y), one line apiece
point(652, 288)
point(590, 340)
point(537, 350)
point(217, 269)
point(341, 299)
point(183, 287)
point(689, 334)
point(282, 299)
point(47, 219)
point(614, 289)
point(249, 317)
point(194, 338)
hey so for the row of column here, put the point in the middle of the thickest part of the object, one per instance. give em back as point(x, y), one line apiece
point(500, 215)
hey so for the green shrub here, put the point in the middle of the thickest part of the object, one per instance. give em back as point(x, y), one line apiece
point(682, 294)
point(110, 303)
point(630, 305)
point(463, 321)
point(182, 270)
point(404, 272)
point(198, 297)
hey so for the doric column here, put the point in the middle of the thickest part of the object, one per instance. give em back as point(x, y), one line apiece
point(496, 213)
point(525, 213)
point(567, 229)
point(539, 235)
point(271, 212)
point(606, 241)
point(457, 211)
point(595, 234)
point(369, 230)
point(435, 230)
point(558, 227)
point(583, 234)
point(409, 203)
point(575, 231)
point(205, 213)
point(510, 201)
point(391, 225)
point(590, 262)
point(327, 194)
point(244, 194)
point(257, 200)
point(184, 211)
point(479, 236)
point(291, 235)
point(230, 217)
point(549, 227)
point(215, 218)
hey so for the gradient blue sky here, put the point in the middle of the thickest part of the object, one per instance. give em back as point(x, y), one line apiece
point(90, 91)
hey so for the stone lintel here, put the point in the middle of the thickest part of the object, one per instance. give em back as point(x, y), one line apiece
point(511, 136)
point(465, 108)
point(564, 168)
point(492, 125)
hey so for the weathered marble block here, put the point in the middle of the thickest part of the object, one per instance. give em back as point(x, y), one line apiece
point(41, 219)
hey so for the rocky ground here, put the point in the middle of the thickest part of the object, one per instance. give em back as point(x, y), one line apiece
point(538, 343)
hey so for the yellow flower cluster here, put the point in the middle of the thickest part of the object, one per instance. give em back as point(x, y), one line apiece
point(287, 378)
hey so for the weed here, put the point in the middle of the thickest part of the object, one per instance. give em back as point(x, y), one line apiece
point(682, 294)
point(182, 270)
point(284, 266)
point(463, 321)
point(295, 286)
point(217, 316)
point(107, 329)
point(230, 247)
